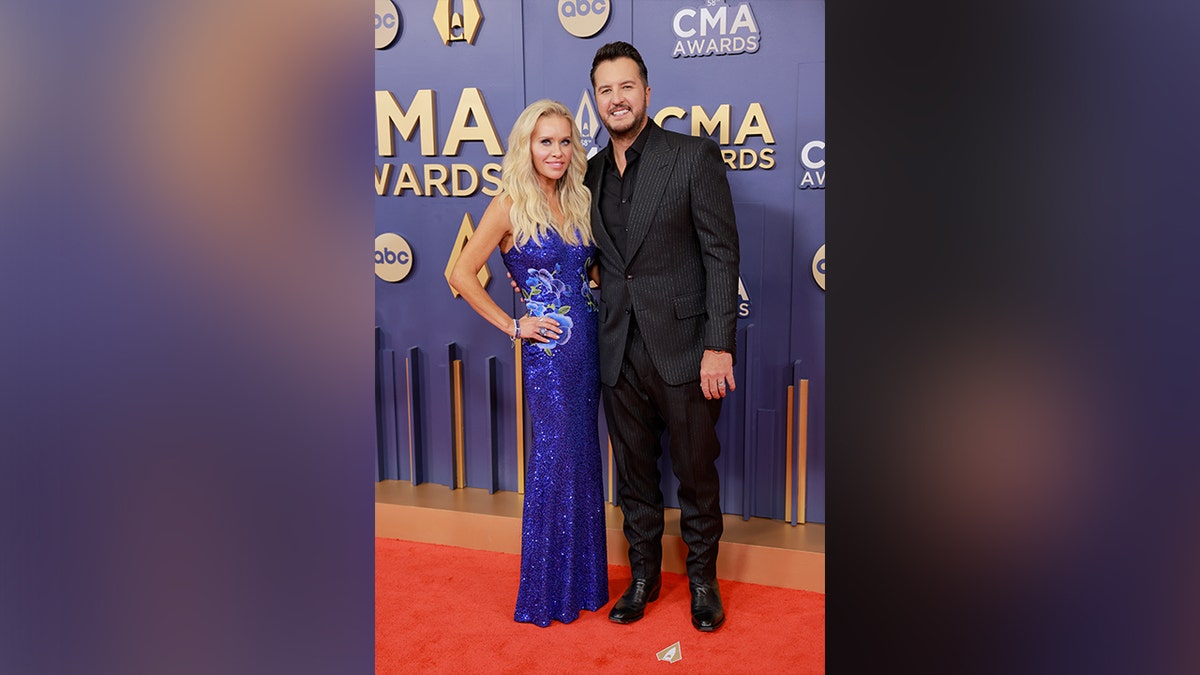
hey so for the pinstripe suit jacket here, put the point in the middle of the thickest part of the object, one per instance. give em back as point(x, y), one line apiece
point(679, 275)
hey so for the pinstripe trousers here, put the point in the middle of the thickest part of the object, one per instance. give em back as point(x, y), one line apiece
point(638, 408)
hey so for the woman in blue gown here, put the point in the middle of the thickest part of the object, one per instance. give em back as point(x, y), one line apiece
point(540, 222)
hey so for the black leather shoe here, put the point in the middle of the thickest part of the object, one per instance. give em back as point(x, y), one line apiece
point(632, 604)
point(707, 613)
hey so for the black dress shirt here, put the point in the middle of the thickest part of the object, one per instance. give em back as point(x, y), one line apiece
point(616, 190)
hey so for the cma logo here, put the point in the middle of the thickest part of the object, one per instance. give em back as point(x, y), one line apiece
point(387, 23)
point(457, 26)
point(715, 31)
point(743, 300)
point(588, 122)
point(720, 123)
point(393, 257)
point(390, 115)
point(812, 156)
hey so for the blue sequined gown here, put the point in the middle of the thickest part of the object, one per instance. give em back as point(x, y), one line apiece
point(564, 563)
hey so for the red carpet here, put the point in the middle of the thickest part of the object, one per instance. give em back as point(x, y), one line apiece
point(443, 609)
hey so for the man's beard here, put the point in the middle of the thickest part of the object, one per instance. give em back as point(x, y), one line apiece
point(631, 132)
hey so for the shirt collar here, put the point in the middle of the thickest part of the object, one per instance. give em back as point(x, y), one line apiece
point(633, 151)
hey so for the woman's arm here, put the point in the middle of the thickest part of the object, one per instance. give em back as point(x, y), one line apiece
point(494, 228)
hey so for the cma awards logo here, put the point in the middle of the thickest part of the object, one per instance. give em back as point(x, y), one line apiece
point(715, 29)
point(743, 300)
point(387, 23)
point(583, 18)
point(588, 122)
point(812, 156)
point(457, 26)
point(393, 257)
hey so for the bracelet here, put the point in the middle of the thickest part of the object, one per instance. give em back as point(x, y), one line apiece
point(516, 332)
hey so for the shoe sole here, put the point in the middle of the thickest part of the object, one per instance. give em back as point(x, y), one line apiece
point(627, 620)
point(708, 629)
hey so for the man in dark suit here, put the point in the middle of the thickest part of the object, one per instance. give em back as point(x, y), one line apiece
point(663, 220)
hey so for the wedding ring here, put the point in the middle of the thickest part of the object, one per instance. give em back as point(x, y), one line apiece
point(721, 384)
point(543, 331)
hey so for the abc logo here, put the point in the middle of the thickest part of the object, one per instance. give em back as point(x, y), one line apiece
point(393, 257)
point(583, 18)
point(387, 23)
point(818, 267)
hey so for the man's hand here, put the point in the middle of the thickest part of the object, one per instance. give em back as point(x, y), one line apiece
point(716, 374)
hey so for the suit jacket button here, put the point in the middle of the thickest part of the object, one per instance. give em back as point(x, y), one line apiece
point(628, 276)
point(626, 310)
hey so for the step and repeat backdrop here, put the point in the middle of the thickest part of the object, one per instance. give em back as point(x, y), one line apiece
point(451, 76)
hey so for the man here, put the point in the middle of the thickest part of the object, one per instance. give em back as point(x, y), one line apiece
point(663, 220)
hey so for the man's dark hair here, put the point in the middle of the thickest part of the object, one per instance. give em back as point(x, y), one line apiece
point(616, 50)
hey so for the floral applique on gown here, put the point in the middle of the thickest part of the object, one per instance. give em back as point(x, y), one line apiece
point(564, 561)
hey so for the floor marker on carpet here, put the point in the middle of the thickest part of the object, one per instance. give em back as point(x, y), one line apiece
point(671, 654)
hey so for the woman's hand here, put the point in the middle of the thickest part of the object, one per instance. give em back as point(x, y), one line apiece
point(539, 328)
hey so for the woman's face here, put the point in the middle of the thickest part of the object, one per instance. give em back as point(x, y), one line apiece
point(550, 146)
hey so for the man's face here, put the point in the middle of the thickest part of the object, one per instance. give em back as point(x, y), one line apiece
point(621, 97)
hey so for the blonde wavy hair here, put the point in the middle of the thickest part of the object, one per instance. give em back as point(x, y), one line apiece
point(530, 214)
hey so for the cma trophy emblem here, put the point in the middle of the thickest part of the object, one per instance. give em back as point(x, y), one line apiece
point(743, 300)
point(671, 654)
point(588, 123)
point(457, 26)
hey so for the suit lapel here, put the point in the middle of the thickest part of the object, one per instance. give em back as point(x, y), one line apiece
point(652, 175)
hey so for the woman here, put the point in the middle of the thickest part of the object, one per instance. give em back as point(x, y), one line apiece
point(540, 223)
